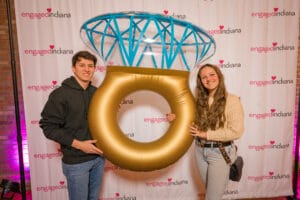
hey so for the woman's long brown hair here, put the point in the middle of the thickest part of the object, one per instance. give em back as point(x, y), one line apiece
point(211, 117)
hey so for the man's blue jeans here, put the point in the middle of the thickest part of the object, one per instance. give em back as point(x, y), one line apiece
point(84, 179)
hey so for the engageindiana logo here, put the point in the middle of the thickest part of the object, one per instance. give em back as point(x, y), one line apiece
point(272, 48)
point(274, 13)
point(45, 14)
point(38, 88)
point(272, 145)
point(273, 113)
point(273, 81)
point(52, 50)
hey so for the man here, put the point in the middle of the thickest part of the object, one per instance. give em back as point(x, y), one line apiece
point(64, 120)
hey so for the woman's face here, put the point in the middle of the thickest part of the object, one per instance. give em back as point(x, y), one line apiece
point(209, 78)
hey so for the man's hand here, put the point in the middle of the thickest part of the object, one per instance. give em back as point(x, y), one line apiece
point(87, 146)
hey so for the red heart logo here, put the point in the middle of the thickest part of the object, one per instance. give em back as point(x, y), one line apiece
point(59, 150)
point(54, 82)
point(274, 44)
point(166, 12)
point(61, 182)
point(221, 27)
point(169, 179)
point(273, 110)
point(272, 142)
point(49, 9)
point(221, 61)
point(275, 9)
point(117, 194)
point(271, 173)
point(273, 77)
point(51, 46)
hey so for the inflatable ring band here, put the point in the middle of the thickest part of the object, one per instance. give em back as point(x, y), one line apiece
point(116, 146)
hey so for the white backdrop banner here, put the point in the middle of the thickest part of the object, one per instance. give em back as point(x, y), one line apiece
point(256, 48)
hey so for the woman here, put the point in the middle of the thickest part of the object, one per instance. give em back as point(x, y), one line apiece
point(219, 118)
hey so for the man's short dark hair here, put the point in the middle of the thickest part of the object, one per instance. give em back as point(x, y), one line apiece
point(83, 54)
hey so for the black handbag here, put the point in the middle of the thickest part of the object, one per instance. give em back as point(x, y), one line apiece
point(236, 168)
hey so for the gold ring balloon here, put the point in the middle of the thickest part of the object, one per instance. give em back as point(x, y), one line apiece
point(120, 149)
point(138, 43)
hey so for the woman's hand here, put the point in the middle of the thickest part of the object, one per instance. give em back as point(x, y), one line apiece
point(171, 117)
point(196, 132)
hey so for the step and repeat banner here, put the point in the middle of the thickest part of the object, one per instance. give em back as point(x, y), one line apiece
point(256, 49)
